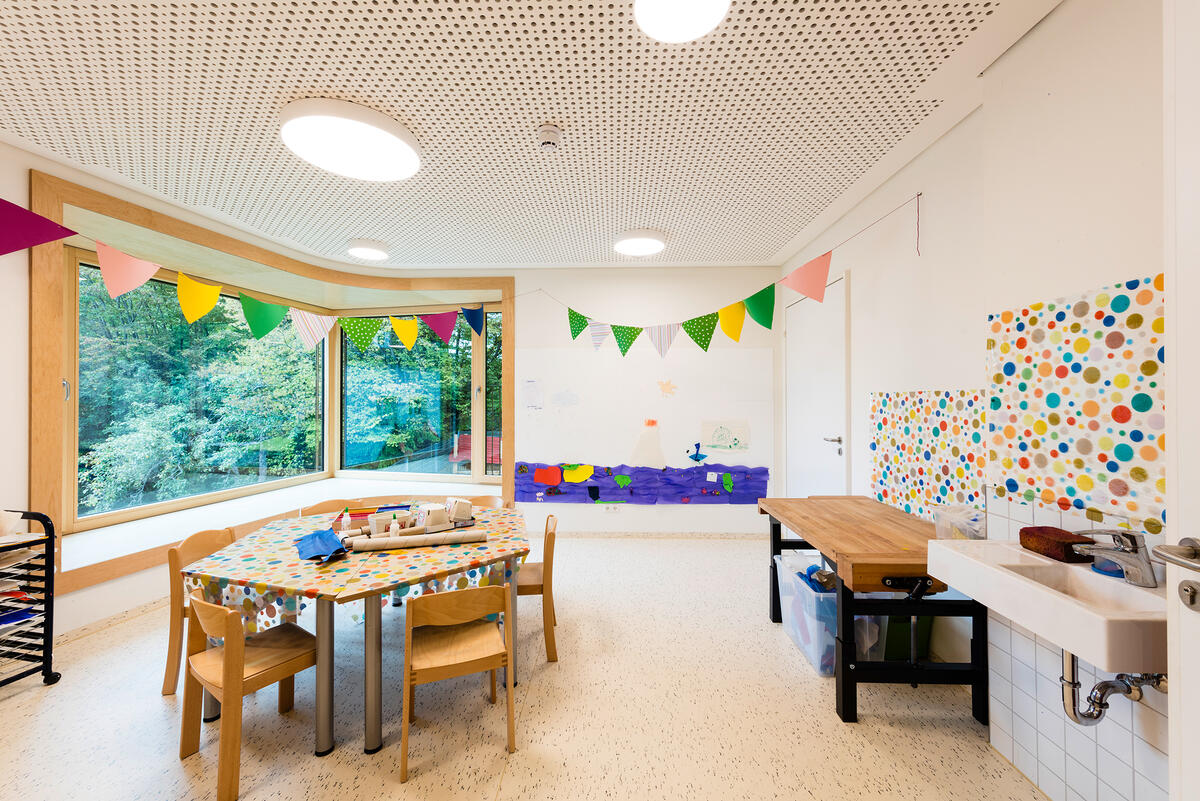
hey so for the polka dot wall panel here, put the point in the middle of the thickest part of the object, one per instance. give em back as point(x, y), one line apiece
point(1076, 414)
point(927, 449)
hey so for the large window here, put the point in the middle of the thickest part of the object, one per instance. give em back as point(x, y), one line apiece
point(423, 410)
point(168, 410)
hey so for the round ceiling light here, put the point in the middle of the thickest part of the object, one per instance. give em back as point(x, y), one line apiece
point(368, 249)
point(676, 21)
point(349, 140)
point(642, 242)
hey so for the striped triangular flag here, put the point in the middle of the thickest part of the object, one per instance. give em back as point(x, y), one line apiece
point(662, 336)
point(311, 328)
point(599, 332)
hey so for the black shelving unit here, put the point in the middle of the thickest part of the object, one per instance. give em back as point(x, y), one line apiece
point(27, 589)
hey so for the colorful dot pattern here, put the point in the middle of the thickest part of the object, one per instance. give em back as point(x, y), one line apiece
point(700, 329)
point(361, 330)
point(927, 449)
point(263, 575)
point(625, 335)
point(1077, 410)
point(577, 322)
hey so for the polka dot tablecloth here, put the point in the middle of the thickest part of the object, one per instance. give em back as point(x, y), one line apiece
point(1076, 416)
point(263, 575)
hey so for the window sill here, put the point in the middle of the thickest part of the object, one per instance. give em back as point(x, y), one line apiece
point(92, 547)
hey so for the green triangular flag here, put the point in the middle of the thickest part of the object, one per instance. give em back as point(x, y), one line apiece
point(625, 335)
point(761, 306)
point(261, 317)
point(700, 329)
point(361, 330)
point(578, 322)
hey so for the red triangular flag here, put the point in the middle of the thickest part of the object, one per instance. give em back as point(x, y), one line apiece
point(441, 323)
point(21, 228)
point(810, 278)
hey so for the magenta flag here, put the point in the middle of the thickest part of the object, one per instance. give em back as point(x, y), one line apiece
point(21, 228)
point(441, 323)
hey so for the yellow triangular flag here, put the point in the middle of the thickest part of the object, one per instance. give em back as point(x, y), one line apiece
point(196, 299)
point(406, 331)
point(732, 317)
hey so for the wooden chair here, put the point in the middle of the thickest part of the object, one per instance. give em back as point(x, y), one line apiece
point(197, 546)
point(241, 666)
point(536, 578)
point(324, 507)
point(487, 501)
point(445, 636)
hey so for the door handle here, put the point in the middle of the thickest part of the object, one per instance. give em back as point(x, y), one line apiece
point(1186, 554)
point(835, 440)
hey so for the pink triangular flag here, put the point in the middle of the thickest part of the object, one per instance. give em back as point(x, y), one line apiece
point(121, 272)
point(662, 336)
point(21, 228)
point(311, 328)
point(441, 323)
point(810, 278)
point(599, 332)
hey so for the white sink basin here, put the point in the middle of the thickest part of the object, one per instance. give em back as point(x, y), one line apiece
point(1115, 626)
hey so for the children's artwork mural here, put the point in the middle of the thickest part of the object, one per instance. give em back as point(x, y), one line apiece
point(585, 483)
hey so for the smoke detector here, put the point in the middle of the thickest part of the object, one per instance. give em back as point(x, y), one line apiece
point(549, 138)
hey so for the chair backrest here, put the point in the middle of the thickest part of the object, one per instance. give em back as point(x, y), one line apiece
point(487, 501)
point(548, 551)
point(242, 529)
point(324, 507)
point(457, 606)
point(197, 546)
point(212, 620)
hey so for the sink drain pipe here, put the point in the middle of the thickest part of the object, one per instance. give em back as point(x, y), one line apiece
point(1126, 684)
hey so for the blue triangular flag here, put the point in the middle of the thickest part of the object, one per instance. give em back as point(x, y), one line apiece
point(474, 318)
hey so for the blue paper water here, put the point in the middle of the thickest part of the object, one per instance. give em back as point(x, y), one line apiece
point(16, 617)
point(321, 546)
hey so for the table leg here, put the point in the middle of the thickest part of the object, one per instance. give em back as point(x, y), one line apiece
point(773, 585)
point(373, 674)
point(979, 662)
point(212, 707)
point(324, 718)
point(846, 685)
point(513, 565)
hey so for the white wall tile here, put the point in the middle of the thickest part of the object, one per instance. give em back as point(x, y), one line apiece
point(1001, 637)
point(1106, 793)
point(1024, 677)
point(1051, 723)
point(1149, 725)
point(1025, 761)
point(1025, 706)
point(1116, 740)
point(997, 527)
point(1115, 773)
point(1000, 716)
point(1047, 515)
point(1145, 790)
point(1001, 690)
point(1150, 763)
point(1051, 784)
point(1051, 756)
point(1049, 661)
point(1023, 647)
point(1049, 692)
point(1000, 662)
point(1002, 741)
point(1076, 521)
point(1080, 746)
point(1024, 736)
point(1081, 779)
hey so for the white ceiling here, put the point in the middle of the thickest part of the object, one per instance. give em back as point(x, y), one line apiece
point(732, 145)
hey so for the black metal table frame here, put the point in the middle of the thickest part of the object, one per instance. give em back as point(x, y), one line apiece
point(849, 672)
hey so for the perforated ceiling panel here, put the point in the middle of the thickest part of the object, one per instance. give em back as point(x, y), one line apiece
point(730, 144)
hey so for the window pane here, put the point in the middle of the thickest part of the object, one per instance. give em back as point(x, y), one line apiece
point(493, 381)
point(168, 410)
point(408, 411)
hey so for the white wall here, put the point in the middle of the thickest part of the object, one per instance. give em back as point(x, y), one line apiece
point(595, 402)
point(1052, 186)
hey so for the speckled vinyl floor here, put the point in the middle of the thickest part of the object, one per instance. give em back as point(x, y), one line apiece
point(671, 684)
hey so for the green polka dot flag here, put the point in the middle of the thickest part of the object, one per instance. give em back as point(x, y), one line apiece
point(700, 329)
point(625, 335)
point(361, 330)
point(578, 322)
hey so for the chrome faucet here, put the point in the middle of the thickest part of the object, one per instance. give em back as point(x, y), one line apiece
point(1129, 551)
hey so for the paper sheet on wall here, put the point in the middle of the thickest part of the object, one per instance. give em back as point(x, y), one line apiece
point(532, 395)
point(726, 435)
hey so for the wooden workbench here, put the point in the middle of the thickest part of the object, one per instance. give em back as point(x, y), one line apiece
point(874, 547)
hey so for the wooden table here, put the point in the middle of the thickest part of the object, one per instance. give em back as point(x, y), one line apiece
point(874, 547)
point(264, 569)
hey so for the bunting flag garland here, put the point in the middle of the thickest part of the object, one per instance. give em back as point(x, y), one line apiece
point(21, 228)
point(262, 317)
point(196, 299)
point(661, 336)
point(625, 335)
point(599, 332)
point(441, 323)
point(361, 330)
point(474, 318)
point(311, 328)
point(578, 322)
point(701, 328)
point(121, 272)
point(761, 306)
point(732, 318)
point(810, 278)
point(406, 331)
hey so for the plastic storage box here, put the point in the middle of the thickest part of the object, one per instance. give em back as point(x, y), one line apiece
point(810, 618)
point(958, 522)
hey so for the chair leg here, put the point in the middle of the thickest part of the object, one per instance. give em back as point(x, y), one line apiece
point(412, 702)
point(493, 695)
point(512, 724)
point(189, 727)
point(229, 759)
point(174, 654)
point(404, 733)
point(287, 694)
point(548, 626)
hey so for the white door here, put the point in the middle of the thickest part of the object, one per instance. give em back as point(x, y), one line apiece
point(817, 431)
point(1181, 28)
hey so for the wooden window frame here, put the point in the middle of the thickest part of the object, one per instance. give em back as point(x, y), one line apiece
point(53, 353)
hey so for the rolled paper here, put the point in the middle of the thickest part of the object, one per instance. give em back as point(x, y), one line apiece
point(452, 537)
